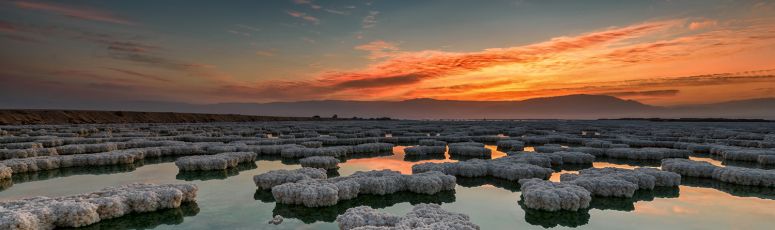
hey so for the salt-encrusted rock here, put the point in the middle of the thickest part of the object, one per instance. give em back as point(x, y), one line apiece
point(646, 153)
point(663, 178)
point(687, 167)
point(431, 142)
point(333, 151)
point(422, 216)
point(469, 143)
point(363, 216)
point(510, 145)
point(766, 159)
point(5, 172)
point(604, 186)
point(745, 154)
point(466, 150)
point(327, 192)
point(85, 209)
point(549, 148)
point(480, 168)
point(312, 144)
point(277, 219)
point(323, 162)
point(219, 161)
point(745, 176)
point(542, 160)
point(310, 193)
point(429, 182)
point(552, 196)
point(372, 148)
point(277, 177)
point(563, 157)
point(642, 180)
point(425, 150)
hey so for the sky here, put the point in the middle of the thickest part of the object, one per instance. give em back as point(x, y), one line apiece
point(657, 52)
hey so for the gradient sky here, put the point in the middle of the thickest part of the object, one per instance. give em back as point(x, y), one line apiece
point(657, 52)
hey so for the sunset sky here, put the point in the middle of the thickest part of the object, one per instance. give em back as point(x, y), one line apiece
point(666, 52)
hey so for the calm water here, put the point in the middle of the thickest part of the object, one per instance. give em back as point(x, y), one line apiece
point(230, 200)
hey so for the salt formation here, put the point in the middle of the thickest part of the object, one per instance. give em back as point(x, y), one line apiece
point(219, 161)
point(469, 143)
point(312, 144)
point(85, 209)
point(616, 182)
point(745, 176)
point(509, 168)
point(766, 159)
point(510, 145)
point(372, 148)
point(646, 153)
point(323, 162)
point(688, 167)
point(552, 196)
point(298, 152)
point(549, 148)
point(468, 150)
point(562, 157)
point(5, 172)
point(422, 216)
point(281, 176)
point(277, 219)
point(425, 150)
point(327, 192)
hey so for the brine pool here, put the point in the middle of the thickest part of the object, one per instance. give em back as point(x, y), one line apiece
point(230, 200)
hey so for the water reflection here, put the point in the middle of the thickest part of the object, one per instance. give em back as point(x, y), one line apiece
point(214, 174)
point(575, 219)
point(147, 220)
point(329, 214)
point(732, 189)
point(472, 182)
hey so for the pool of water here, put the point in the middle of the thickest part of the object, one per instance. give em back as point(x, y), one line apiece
point(229, 200)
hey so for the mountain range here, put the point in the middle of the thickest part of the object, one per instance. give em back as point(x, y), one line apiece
point(579, 106)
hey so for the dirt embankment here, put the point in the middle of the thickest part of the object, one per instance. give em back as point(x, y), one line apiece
point(23, 116)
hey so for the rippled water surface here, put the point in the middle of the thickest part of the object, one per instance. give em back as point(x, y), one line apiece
point(229, 200)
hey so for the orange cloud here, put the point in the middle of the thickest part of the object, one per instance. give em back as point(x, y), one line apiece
point(80, 13)
point(304, 16)
point(702, 24)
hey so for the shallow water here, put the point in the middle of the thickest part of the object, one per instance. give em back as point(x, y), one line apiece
point(230, 200)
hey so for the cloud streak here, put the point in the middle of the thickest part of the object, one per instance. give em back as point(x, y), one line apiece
point(74, 12)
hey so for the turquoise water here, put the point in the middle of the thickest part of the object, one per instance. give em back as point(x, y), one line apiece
point(229, 200)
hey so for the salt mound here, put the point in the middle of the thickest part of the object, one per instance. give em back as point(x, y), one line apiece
point(563, 157)
point(663, 178)
point(5, 172)
point(219, 161)
point(646, 153)
point(616, 182)
point(503, 169)
point(327, 192)
point(372, 148)
point(323, 162)
point(510, 145)
point(85, 209)
point(277, 177)
point(422, 216)
point(687, 167)
point(552, 196)
point(334, 151)
point(745, 176)
point(362, 216)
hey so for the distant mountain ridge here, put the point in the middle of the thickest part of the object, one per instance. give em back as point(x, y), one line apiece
point(579, 106)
